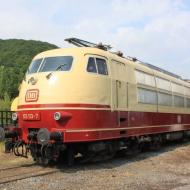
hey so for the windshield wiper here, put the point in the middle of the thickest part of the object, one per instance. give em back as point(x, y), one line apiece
point(58, 68)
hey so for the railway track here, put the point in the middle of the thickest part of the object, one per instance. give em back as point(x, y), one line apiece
point(12, 174)
point(14, 167)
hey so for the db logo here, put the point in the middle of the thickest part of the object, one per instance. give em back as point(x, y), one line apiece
point(32, 95)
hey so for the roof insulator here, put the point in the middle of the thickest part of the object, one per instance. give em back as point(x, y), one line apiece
point(134, 59)
point(119, 53)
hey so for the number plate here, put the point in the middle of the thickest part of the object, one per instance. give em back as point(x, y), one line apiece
point(31, 116)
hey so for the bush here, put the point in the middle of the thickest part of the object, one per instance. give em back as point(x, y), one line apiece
point(5, 103)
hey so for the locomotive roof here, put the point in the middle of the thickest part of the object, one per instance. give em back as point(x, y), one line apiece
point(72, 51)
point(96, 51)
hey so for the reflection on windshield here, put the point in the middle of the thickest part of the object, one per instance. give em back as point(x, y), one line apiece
point(53, 63)
point(33, 68)
point(61, 63)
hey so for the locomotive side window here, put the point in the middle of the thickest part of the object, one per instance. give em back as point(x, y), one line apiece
point(187, 91)
point(147, 96)
point(97, 65)
point(61, 63)
point(178, 88)
point(188, 102)
point(163, 84)
point(34, 66)
point(164, 99)
point(102, 67)
point(91, 67)
point(144, 78)
point(178, 101)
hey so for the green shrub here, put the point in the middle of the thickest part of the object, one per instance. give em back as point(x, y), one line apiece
point(5, 103)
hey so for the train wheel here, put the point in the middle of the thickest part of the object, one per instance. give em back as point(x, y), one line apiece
point(103, 156)
point(156, 143)
point(133, 147)
point(70, 155)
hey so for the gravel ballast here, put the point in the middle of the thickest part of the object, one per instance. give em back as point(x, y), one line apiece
point(167, 169)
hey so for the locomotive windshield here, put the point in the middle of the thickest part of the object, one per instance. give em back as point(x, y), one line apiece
point(33, 68)
point(60, 63)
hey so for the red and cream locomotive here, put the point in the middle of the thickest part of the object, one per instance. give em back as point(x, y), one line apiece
point(91, 102)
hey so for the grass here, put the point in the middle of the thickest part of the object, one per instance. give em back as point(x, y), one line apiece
point(1, 148)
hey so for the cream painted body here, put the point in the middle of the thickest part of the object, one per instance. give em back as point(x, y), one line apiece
point(14, 104)
point(77, 86)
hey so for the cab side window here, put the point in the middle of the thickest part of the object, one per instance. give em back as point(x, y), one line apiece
point(91, 67)
point(97, 65)
point(102, 67)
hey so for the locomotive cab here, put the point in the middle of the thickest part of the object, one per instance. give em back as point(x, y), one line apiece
point(59, 81)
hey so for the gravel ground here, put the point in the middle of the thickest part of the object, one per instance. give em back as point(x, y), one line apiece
point(163, 170)
point(9, 160)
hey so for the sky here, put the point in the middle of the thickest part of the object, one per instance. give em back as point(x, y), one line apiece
point(154, 31)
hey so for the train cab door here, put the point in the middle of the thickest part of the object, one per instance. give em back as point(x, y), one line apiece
point(119, 92)
point(121, 95)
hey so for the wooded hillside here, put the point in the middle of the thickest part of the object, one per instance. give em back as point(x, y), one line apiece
point(15, 57)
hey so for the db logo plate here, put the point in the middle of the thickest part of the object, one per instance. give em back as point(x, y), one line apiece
point(32, 95)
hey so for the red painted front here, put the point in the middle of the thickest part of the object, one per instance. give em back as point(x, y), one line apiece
point(90, 125)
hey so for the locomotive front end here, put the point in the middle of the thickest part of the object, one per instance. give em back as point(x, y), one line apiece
point(59, 98)
point(40, 115)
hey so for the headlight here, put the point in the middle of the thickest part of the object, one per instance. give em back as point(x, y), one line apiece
point(57, 116)
point(43, 136)
point(14, 116)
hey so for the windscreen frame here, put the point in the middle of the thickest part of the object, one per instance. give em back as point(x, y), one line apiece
point(42, 64)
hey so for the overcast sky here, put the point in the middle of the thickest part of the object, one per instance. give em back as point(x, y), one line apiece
point(155, 31)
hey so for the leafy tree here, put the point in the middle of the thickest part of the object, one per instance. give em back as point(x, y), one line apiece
point(15, 57)
point(5, 103)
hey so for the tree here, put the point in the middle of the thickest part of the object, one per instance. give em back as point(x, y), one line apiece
point(15, 57)
point(1, 81)
point(5, 103)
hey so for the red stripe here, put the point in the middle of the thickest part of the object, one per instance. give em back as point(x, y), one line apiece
point(136, 123)
point(62, 105)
